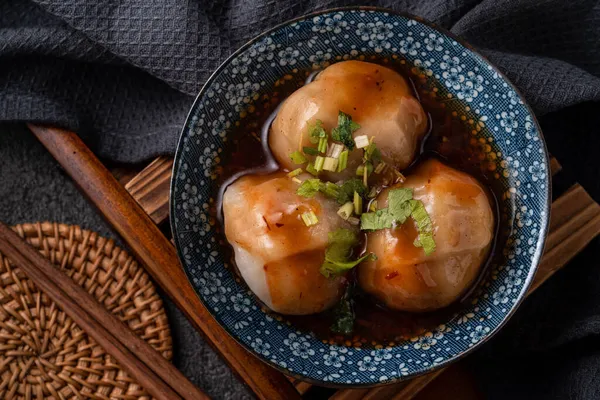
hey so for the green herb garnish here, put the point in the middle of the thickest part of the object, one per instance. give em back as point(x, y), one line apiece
point(316, 131)
point(319, 163)
point(343, 314)
point(401, 206)
point(372, 153)
point(298, 158)
point(330, 190)
point(343, 132)
point(346, 211)
point(380, 219)
point(322, 148)
point(348, 188)
point(343, 160)
point(295, 172)
point(311, 151)
point(424, 226)
point(309, 187)
point(358, 203)
point(310, 168)
point(398, 210)
point(310, 218)
point(339, 251)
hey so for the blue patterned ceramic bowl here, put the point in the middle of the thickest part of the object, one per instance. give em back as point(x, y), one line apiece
point(473, 91)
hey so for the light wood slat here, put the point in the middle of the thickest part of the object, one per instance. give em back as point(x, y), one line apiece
point(150, 188)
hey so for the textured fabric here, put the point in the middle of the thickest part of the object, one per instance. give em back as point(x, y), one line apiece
point(124, 73)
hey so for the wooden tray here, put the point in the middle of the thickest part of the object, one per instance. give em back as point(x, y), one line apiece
point(575, 221)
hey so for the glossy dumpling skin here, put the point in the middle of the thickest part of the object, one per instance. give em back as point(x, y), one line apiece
point(378, 98)
point(404, 278)
point(276, 253)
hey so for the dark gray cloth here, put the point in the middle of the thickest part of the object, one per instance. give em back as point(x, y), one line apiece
point(124, 73)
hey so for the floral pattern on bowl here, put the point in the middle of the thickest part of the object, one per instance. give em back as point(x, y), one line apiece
point(479, 95)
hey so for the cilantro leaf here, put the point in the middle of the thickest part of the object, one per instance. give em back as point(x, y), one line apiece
point(372, 153)
point(421, 217)
point(339, 251)
point(316, 132)
point(330, 267)
point(424, 226)
point(309, 187)
point(380, 219)
point(348, 188)
point(341, 242)
point(399, 205)
point(425, 240)
point(343, 314)
point(343, 132)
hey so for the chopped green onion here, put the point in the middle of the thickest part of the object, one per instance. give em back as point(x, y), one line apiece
point(361, 141)
point(346, 210)
point(310, 168)
point(330, 164)
point(360, 171)
point(373, 206)
point(373, 192)
point(296, 180)
point(311, 151)
point(354, 220)
point(298, 158)
point(401, 178)
point(322, 145)
point(380, 167)
point(336, 150)
point(372, 153)
point(343, 160)
point(310, 218)
point(316, 131)
point(330, 190)
point(358, 204)
point(295, 172)
point(319, 161)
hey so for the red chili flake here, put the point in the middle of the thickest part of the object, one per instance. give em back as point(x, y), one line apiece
point(391, 275)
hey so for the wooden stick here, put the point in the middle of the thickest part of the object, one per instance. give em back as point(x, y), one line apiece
point(146, 365)
point(158, 256)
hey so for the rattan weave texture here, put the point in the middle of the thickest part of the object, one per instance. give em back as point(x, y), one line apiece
point(43, 353)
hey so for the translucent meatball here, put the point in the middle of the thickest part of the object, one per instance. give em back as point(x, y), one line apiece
point(377, 98)
point(276, 253)
point(403, 277)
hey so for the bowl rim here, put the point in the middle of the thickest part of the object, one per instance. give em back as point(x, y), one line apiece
point(544, 224)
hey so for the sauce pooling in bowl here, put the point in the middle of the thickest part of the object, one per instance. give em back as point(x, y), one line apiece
point(443, 138)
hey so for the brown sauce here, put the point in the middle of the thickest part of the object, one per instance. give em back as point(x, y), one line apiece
point(449, 138)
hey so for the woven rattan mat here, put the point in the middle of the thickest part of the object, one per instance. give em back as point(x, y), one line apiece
point(43, 354)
